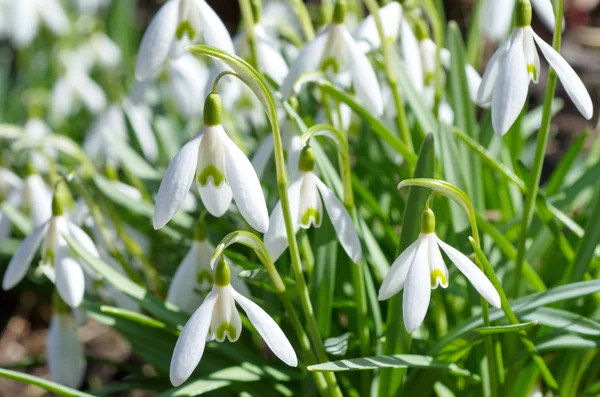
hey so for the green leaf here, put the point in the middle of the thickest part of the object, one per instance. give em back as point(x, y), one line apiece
point(395, 361)
point(17, 218)
point(337, 346)
point(564, 320)
point(130, 159)
point(42, 383)
point(501, 329)
point(563, 342)
point(566, 163)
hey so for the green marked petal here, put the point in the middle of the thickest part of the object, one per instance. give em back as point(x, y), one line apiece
point(185, 27)
point(226, 328)
point(311, 213)
point(211, 172)
point(438, 274)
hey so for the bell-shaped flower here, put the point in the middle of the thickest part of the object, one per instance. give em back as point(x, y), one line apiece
point(270, 60)
point(307, 196)
point(177, 24)
point(498, 14)
point(221, 170)
point(367, 35)
point(193, 279)
point(68, 274)
point(27, 15)
point(217, 318)
point(31, 195)
point(515, 64)
point(335, 50)
point(420, 268)
point(64, 352)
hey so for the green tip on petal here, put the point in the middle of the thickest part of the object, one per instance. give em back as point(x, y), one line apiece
point(339, 11)
point(427, 222)
point(523, 16)
point(306, 162)
point(222, 273)
point(185, 28)
point(213, 110)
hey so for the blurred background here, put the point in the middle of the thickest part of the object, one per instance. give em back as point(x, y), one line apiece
point(24, 79)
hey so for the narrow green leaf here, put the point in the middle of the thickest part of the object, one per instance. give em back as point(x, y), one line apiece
point(337, 346)
point(42, 383)
point(564, 320)
point(501, 329)
point(566, 163)
point(136, 164)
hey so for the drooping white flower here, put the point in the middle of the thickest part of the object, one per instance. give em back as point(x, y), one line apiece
point(269, 59)
point(420, 268)
point(336, 50)
point(188, 78)
point(217, 318)
point(515, 64)
point(221, 170)
point(366, 34)
point(27, 15)
point(68, 273)
point(64, 351)
point(177, 24)
point(193, 279)
point(307, 196)
point(497, 16)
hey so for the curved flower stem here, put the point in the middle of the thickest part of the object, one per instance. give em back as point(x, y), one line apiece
point(402, 123)
point(538, 160)
point(304, 18)
point(438, 36)
point(248, 18)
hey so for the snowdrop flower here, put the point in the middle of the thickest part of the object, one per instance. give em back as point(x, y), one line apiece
point(64, 352)
point(420, 268)
point(177, 24)
point(497, 16)
point(27, 16)
point(187, 84)
point(218, 318)
point(222, 173)
point(193, 279)
point(307, 195)
point(69, 277)
point(515, 64)
point(31, 195)
point(103, 50)
point(335, 49)
point(366, 34)
point(37, 129)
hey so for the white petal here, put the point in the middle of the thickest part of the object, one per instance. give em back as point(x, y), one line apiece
point(176, 183)
point(70, 281)
point(216, 200)
point(107, 51)
point(363, 76)
point(276, 237)
point(472, 273)
point(395, 278)
point(83, 239)
point(437, 267)
point(569, 79)
point(226, 322)
point(21, 260)
point(308, 60)
point(490, 76)
point(185, 281)
point(411, 55)
point(188, 83)
point(214, 31)
point(293, 154)
point(157, 41)
point(64, 351)
point(63, 98)
point(268, 329)
point(262, 155)
point(245, 185)
point(39, 199)
point(270, 60)
point(531, 56)
point(90, 92)
point(342, 223)
point(417, 290)
point(510, 91)
point(190, 345)
point(496, 18)
point(139, 117)
point(543, 9)
point(473, 80)
point(25, 22)
point(54, 16)
point(367, 36)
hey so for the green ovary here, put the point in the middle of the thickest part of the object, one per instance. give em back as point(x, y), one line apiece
point(226, 328)
point(185, 27)
point(211, 172)
point(311, 213)
point(438, 274)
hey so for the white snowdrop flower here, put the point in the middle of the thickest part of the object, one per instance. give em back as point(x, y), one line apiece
point(515, 64)
point(105, 51)
point(270, 60)
point(420, 268)
point(73, 88)
point(27, 15)
point(497, 17)
point(64, 352)
point(221, 170)
point(11, 187)
point(366, 34)
point(336, 50)
point(69, 277)
point(177, 24)
point(217, 318)
point(307, 196)
point(193, 279)
point(37, 129)
point(187, 84)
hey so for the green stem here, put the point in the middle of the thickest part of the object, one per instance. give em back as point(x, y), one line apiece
point(538, 160)
point(402, 123)
point(248, 18)
point(304, 18)
point(438, 36)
